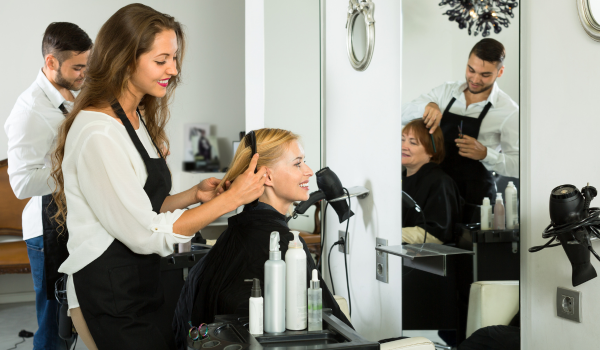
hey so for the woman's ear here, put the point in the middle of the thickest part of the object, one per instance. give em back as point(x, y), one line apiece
point(269, 181)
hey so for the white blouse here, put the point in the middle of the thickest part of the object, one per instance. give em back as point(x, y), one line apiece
point(104, 178)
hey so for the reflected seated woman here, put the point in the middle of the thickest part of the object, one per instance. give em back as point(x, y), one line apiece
point(433, 190)
point(215, 285)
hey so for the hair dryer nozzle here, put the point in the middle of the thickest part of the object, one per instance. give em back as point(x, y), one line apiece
point(579, 256)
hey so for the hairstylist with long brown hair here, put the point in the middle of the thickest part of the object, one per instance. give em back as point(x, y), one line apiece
point(114, 182)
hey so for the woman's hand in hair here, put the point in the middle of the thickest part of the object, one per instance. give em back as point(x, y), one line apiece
point(207, 189)
point(249, 186)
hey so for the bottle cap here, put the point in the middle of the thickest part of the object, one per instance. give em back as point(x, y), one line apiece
point(498, 196)
point(511, 184)
point(255, 291)
point(486, 201)
point(314, 283)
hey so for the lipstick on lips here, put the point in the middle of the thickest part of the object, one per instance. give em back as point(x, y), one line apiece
point(164, 82)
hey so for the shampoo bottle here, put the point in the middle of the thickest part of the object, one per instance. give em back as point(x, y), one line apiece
point(499, 218)
point(274, 288)
point(315, 304)
point(486, 214)
point(512, 212)
point(295, 288)
point(256, 309)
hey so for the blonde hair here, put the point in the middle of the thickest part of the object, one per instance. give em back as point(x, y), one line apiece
point(270, 145)
point(125, 36)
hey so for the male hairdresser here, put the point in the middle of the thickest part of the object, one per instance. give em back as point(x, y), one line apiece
point(31, 129)
point(479, 121)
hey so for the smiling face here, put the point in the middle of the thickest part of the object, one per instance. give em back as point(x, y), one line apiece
point(71, 72)
point(414, 155)
point(481, 74)
point(156, 66)
point(287, 179)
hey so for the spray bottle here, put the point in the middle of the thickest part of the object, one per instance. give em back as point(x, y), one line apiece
point(315, 304)
point(295, 289)
point(274, 288)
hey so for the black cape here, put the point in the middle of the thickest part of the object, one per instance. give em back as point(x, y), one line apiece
point(215, 285)
point(437, 195)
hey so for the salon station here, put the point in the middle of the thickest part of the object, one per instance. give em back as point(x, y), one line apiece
point(316, 174)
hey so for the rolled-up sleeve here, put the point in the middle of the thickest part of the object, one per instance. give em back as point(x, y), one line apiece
point(112, 189)
point(416, 108)
point(505, 163)
point(29, 140)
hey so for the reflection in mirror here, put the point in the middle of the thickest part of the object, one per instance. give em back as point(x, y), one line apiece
point(461, 94)
point(359, 37)
point(595, 10)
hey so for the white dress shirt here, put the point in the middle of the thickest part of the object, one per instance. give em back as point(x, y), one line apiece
point(499, 129)
point(31, 128)
point(104, 187)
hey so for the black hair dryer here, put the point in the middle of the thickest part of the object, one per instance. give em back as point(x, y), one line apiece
point(330, 187)
point(571, 219)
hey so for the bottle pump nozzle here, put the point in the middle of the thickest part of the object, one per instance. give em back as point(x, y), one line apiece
point(274, 252)
point(296, 242)
point(255, 291)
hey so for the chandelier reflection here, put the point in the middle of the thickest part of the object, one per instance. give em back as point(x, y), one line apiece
point(480, 16)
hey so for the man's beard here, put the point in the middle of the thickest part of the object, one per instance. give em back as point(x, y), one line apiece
point(484, 89)
point(69, 85)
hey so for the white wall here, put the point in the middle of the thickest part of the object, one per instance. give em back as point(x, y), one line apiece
point(559, 134)
point(436, 51)
point(363, 148)
point(213, 69)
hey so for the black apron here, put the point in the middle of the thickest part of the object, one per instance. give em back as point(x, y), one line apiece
point(474, 181)
point(55, 240)
point(119, 293)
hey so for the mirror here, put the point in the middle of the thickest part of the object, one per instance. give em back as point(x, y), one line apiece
point(589, 16)
point(479, 89)
point(360, 40)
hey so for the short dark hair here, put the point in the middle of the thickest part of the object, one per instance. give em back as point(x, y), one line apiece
point(489, 50)
point(61, 38)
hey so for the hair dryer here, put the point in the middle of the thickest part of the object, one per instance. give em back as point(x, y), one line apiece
point(572, 222)
point(330, 188)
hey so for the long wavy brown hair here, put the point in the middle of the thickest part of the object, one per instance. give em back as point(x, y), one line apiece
point(127, 34)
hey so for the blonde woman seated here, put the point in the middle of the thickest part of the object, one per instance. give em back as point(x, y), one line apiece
point(215, 286)
point(425, 181)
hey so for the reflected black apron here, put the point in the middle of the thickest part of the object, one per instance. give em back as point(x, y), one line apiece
point(55, 240)
point(473, 179)
point(119, 293)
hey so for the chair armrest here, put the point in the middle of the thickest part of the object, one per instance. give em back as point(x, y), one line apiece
point(416, 343)
point(492, 303)
point(343, 305)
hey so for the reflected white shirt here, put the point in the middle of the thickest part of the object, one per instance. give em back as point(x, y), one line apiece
point(104, 187)
point(499, 129)
point(31, 129)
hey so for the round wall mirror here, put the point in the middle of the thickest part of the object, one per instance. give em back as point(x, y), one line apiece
point(361, 33)
point(359, 38)
point(589, 15)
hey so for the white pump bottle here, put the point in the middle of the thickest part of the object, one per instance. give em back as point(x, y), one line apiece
point(296, 286)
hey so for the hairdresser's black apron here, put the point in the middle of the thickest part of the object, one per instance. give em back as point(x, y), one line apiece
point(119, 293)
point(473, 179)
point(55, 244)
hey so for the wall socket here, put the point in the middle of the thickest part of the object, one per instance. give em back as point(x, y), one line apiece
point(346, 246)
point(568, 304)
point(381, 261)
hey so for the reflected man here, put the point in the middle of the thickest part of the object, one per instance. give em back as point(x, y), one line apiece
point(479, 121)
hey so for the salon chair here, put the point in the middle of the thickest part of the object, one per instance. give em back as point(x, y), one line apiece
point(13, 251)
point(492, 303)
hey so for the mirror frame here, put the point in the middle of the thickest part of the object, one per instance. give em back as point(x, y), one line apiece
point(590, 25)
point(366, 8)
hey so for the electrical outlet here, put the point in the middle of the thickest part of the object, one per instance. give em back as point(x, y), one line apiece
point(568, 304)
point(346, 245)
point(381, 261)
